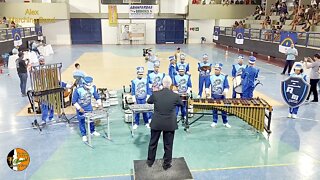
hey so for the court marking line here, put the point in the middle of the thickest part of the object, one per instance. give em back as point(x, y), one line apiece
point(306, 119)
point(22, 129)
point(195, 170)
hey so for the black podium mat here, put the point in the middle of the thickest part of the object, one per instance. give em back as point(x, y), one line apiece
point(178, 171)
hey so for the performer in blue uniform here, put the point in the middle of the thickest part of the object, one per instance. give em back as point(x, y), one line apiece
point(155, 78)
point(249, 75)
point(183, 85)
point(237, 70)
point(140, 93)
point(183, 63)
point(298, 72)
point(204, 69)
point(81, 100)
point(219, 88)
point(172, 67)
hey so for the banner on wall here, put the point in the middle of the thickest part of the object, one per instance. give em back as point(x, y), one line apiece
point(16, 35)
point(39, 33)
point(286, 39)
point(141, 11)
point(129, 33)
point(113, 15)
point(239, 36)
point(216, 33)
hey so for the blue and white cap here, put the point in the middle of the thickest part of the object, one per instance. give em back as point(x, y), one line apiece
point(41, 57)
point(240, 56)
point(181, 68)
point(218, 66)
point(140, 70)
point(298, 66)
point(252, 59)
point(171, 58)
point(87, 80)
point(182, 56)
point(156, 63)
point(205, 56)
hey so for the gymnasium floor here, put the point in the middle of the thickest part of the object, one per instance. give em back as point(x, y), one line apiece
point(291, 152)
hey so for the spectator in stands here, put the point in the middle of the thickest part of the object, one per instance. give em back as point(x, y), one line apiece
point(316, 17)
point(241, 25)
point(5, 21)
point(231, 1)
point(241, 1)
point(225, 2)
point(300, 21)
point(237, 2)
point(278, 7)
point(309, 12)
point(12, 25)
point(273, 9)
point(314, 65)
point(305, 28)
point(283, 19)
point(283, 8)
point(235, 25)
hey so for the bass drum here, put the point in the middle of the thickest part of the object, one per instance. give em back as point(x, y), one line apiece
point(237, 84)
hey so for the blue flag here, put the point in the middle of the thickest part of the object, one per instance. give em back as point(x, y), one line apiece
point(216, 32)
point(239, 35)
point(16, 36)
point(286, 39)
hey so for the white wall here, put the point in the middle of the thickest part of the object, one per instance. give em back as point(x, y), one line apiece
point(84, 6)
point(58, 32)
point(173, 6)
point(226, 22)
point(110, 34)
point(205, 30)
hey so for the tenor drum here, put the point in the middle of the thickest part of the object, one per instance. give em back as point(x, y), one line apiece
point(237, 84)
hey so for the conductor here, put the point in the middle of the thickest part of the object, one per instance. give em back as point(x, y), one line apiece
point(164, 120)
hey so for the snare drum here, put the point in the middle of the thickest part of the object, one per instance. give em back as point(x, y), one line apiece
point(237, 84)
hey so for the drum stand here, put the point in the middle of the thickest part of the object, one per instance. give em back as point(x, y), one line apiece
point(133, 115)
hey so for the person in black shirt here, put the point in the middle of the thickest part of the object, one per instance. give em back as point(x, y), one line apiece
point(22, 73)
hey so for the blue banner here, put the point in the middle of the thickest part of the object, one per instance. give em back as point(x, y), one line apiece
point(38, 30)
point(286, 39)
point(294, 91)
point(239, 35)
point(216, 32)
point(16, 36)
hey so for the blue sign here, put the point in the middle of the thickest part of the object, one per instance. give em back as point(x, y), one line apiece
point(294, 91)
point(16, 36)
point(216, 32)
point(38, 30)
point(286, 39)
point(239, 35)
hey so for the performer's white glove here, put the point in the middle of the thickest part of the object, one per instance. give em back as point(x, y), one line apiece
point(134, 99)
point(225, 91)
point(176, 92)
point(78, 107)
point(207, 71)
point(189, 91)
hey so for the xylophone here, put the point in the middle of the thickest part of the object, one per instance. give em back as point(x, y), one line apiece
point(253, 111)
point(90, 117)
point(139, 108)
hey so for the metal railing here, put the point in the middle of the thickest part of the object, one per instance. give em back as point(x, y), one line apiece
point(6, 33)
point(307, 39)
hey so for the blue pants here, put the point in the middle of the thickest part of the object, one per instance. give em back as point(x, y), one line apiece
point(234, 94)
point(248, 93)
point(82, 124)
point(45, 110)
point(137, 115)
point(203, 80)
point(183, 110)
point(215, 112)
point(23, 82)
point(294, 110)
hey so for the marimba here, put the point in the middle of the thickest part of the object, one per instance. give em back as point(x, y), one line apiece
point(253, 111)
